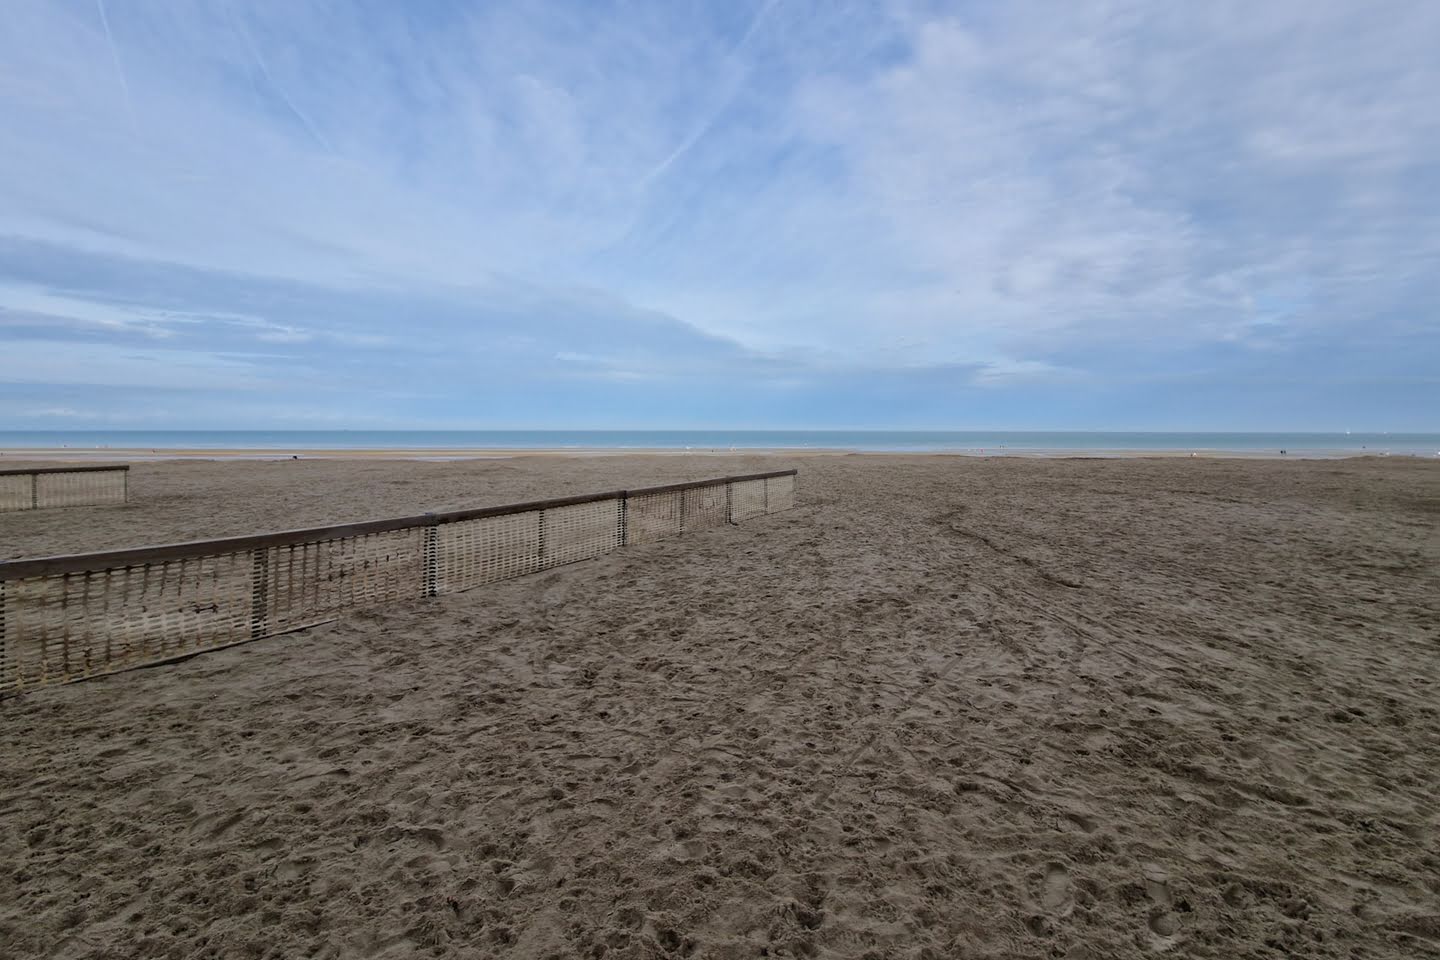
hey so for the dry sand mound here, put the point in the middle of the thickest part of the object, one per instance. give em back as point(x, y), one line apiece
point(945, 708)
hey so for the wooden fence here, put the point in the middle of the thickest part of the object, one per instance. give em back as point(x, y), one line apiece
point(69, 618)
point(40, 487)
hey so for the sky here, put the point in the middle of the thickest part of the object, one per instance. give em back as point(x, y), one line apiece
point(738, 213)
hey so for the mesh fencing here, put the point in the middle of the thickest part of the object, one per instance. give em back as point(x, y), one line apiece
point(579, 532)
point(76, 625)
point(471, 553)
point(68, 618)
point(779, 493)
point(704, 508)
point(747, 499)
point(15, 491)
point(62, 487)
point(652, 516)
point(300, 584)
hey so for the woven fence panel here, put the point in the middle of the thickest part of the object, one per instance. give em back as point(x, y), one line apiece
point(747, 499)
point(474, 552)
point(58, 627)
point(580, 531)
point(653, 516)
point(704, 508)
point(15, 492)
point(69, 626)
point(79, 489)
point(28, 491)
point(779, 493)
point(308, 582)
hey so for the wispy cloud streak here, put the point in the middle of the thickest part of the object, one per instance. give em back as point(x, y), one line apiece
point(119, 67)
point(706, 125)
point(259, 61)
point(1098, 210)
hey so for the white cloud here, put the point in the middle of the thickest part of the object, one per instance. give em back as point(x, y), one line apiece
point(787, 190)
point(18, 301)
point(1039, 176)
point(93, 364)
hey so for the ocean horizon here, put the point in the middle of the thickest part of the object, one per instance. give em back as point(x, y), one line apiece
point(1017, 442)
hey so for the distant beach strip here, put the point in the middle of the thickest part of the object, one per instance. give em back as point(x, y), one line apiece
point(463, 444)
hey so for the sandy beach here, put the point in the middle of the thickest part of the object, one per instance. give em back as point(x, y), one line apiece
point(17, 457)
point(946, 707)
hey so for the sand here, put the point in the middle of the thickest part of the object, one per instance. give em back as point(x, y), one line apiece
point(947, 707)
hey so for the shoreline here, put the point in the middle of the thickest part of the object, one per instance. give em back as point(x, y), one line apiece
point(444, 454)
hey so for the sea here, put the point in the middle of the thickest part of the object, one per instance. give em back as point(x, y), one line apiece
point(977, 442)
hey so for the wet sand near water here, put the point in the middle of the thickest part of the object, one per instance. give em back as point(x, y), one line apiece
point(946, 707)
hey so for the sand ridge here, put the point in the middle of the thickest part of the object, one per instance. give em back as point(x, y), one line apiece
point(946, 707)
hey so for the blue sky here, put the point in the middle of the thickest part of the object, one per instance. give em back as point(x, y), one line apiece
point(752, 213)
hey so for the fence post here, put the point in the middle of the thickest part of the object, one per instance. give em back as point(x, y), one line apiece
point(126, 475)
point(259, 592)
point(430, 551)
point(4, 661)
point(542, 537)
point(682, 493)
point(34, 491)
point(624, 517)
point(729, 507)
point(766, 481)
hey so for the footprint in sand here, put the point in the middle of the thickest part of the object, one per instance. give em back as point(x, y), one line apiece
point(1055, 893)
point(1163, 923)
